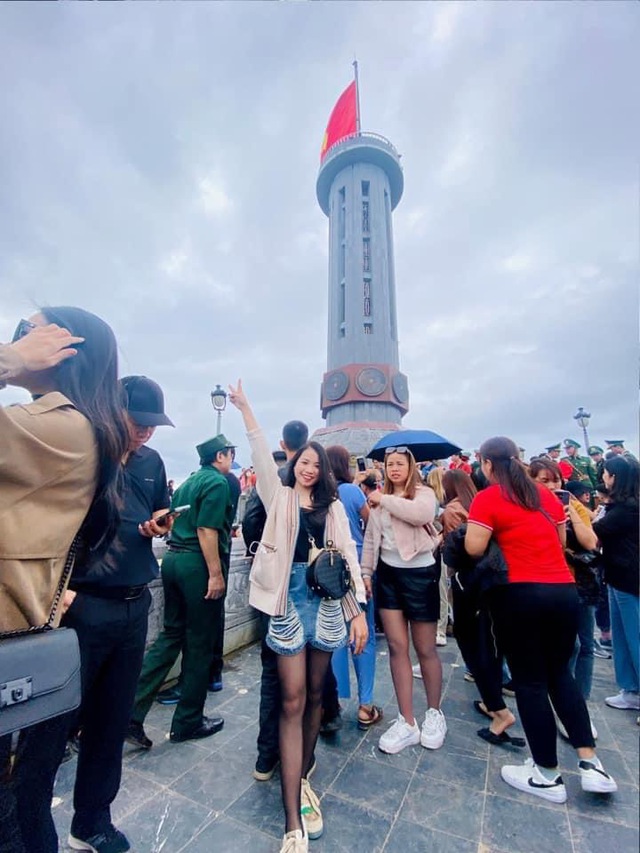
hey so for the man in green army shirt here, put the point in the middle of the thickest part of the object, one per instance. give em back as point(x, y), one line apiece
point(194, 588)
point(585, 470)
point(597, 457)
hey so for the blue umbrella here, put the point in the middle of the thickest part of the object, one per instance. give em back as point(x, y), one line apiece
point(423, 443)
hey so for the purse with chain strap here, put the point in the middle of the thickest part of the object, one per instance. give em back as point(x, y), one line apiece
point(40, 668)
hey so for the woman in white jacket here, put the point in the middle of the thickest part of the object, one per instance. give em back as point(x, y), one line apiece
point(303, 629)
point(399, 549)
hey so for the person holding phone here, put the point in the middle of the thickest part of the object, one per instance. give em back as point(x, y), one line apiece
point(580, 539)
point(304, 629)
point(536, 619)
point(108, 609)
point(60, 459)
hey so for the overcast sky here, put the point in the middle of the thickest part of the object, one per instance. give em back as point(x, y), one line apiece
point(158, 165)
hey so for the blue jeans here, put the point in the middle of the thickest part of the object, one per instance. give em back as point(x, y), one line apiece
point(581, 663)
point(364, 665)
point(626, 638)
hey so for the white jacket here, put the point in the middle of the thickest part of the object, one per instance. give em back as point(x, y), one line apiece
point(271, 569)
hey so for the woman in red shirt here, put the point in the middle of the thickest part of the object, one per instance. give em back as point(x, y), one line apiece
point(536, 619)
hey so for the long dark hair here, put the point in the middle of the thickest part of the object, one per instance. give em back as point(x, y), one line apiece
point(625, 486)
point(458, 484)
point(324, 491)
point(509, 472)
point(542, 464)
point(90, 381)
point(338, 457)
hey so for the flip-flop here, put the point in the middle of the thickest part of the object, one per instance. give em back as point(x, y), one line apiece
point(373, 716)
point(477, 704)
point(503, 739)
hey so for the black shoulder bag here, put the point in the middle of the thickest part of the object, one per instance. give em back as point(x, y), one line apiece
point(39, 668)
point(328, 573)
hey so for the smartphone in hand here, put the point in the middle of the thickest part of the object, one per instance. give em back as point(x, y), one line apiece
point(162, 520)
point(563, 495)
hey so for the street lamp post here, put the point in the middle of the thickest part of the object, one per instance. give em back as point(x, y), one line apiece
point(582, 419)
point(219, 403)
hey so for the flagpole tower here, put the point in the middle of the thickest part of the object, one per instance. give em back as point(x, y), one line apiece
point(364, 394)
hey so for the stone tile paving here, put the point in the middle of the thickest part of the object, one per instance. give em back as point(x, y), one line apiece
point(200, 797)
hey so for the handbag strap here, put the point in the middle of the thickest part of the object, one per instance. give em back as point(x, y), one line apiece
point(64, 577)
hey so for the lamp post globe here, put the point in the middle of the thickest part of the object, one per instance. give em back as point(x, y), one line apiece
point(219, 403)
point(582, 419)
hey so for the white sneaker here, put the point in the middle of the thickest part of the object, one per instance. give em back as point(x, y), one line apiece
point(441, 640)
point(594, 778)
point(398, 736)
point(310, 811)
point(625, 700)
point(526, 777)
point(295, 842)
point(434, 729)
point(417, 672)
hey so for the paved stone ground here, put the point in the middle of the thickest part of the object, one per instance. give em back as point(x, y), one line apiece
point(200, 797)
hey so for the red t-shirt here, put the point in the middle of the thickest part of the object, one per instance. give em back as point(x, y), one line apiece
point(527, 538)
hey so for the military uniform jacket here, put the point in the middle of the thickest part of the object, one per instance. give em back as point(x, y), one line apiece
point(584, 468)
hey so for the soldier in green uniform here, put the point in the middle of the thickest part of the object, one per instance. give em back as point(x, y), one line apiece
point(553, 451)
point(597, 457)
point(194, 586)
point(617, 446)
point(585, 470)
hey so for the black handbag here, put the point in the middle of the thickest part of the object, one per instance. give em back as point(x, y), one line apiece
point(39, 669)
point(328, 573)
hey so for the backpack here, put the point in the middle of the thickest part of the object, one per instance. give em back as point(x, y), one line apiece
point(253, 520)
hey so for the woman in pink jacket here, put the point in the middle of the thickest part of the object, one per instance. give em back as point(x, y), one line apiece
point(399, 550)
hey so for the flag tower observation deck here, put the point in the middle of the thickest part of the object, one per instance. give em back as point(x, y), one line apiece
point(364, 394)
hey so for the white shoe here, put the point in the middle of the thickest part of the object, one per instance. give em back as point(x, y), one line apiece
point(295, 842)
point(593, 777)
point(399, 736)
point(526, 777)
point(310, 811)
point(441, 640)
point(416, 671)
point(625, 700)
point(434, 729)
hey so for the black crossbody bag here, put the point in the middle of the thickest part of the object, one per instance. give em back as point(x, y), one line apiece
point(39, 668)
point(328, 573)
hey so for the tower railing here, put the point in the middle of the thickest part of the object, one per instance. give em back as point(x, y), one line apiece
point(364, 136)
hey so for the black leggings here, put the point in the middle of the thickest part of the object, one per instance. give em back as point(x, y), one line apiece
point(536, 625)
point(473, 630)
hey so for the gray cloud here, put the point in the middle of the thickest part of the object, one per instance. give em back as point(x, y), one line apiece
point(158, 166)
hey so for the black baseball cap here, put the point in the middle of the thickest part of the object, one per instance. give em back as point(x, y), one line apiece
point(144, 401)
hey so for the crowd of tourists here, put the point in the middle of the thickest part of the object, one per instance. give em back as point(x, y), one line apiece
point(518, 560)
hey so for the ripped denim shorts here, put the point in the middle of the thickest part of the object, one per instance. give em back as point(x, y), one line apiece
point(309, 619)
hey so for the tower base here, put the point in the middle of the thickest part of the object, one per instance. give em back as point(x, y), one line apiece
point(358, 437)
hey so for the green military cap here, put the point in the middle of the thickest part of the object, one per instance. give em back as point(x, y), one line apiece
point(569, 442)
point(593, 449)
point(209, 448)
point(553, 447)
point(618, 442)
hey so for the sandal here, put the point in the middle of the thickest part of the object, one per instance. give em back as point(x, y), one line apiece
point(503, 739)
point(373, 716)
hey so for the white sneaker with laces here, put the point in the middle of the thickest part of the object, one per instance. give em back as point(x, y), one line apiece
point(625, 700)
point(526, 777)
point(434, 729)
point(295, 842)
point(594, 778)
point(398, 736)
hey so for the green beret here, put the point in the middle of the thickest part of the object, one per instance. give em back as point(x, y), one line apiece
point(569, 442)
point(595, 449)
point(209, 448)
point(553, 447)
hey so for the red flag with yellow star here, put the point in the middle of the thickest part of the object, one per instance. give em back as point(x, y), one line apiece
point(342, 121)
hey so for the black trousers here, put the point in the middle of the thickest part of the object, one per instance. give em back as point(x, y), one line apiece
point(270, 700)
point(217, 663)
point(537, 625)
point(112, 635)
point(26, 824)
point(473, 629)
